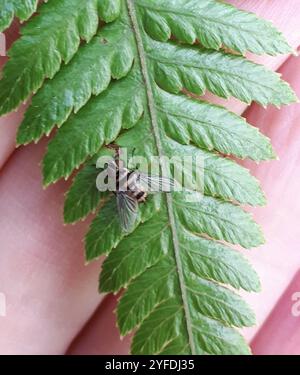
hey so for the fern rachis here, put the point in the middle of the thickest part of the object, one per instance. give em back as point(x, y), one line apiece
point(175, 263)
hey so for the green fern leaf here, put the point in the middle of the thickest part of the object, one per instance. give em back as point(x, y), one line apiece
point(83, 197)
point(105, 232)
point(212, 23)
point(50, 38)
point(11, 8)
point(177, 67)
point(210, 127)
point(128, 86)
point(222, 177)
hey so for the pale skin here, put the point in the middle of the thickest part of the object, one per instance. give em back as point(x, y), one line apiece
point(51, 294)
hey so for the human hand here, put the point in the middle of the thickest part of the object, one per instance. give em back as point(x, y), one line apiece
point(51, 295)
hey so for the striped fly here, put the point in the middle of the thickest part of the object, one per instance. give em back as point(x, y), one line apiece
point(132, 188)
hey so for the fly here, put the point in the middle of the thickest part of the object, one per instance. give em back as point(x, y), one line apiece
point(132, 188)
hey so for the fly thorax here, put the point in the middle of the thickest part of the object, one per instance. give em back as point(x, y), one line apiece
point(122, 179)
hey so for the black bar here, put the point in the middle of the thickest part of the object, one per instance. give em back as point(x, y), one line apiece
point(151, 364)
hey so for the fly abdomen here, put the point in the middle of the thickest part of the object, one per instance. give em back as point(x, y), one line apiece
point(127, 182)
point(123, 180)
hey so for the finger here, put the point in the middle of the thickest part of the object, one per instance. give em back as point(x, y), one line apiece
point(279, 259)
point(284, 322)
point(8, 129)
point(104, 320)
point(50, 294)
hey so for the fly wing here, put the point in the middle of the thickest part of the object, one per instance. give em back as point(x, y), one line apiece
point(154, 184)
point(127, 209)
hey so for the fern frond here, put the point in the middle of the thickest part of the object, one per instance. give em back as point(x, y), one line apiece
point(210, 127)
point(176, 67)
point(130, 85)
point(213, 24)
